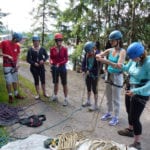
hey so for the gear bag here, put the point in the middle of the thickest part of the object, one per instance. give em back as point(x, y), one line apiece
point(33, 121)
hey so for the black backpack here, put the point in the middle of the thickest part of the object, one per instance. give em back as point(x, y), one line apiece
point(33, 121)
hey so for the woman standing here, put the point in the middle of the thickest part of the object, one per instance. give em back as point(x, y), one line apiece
point(114, 82)
point(36, 57)
point(58, 60)
point(90, 69)
point(138, 91)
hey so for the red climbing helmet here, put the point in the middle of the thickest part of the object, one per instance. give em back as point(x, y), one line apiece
point(58, 36)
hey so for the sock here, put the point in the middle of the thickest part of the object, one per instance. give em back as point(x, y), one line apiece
point(10, 94)
point(88, 101)
point(16, 93)
point(66, 98)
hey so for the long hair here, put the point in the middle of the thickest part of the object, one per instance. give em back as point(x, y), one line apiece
point(144, 55)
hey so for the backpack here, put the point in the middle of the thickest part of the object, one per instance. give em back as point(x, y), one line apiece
point(33, 121)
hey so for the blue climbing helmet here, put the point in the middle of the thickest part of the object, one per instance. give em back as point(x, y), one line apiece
point(17, 36)
point(135, 49)
point(88, 47)
point(115, 35)
point(35, 38)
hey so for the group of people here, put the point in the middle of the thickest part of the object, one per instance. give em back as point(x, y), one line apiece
point(138, 69)
point(137, 88)
point(36, 57)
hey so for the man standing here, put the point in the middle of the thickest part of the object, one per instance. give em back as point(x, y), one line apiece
point(10, 52)
point(58, 60)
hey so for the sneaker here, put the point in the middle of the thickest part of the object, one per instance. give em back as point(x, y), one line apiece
point(93, 108)
point(126, 132)
point(65, 102)
point(136, 145)
point(106, 117)
point(114, 121)
point(37, 97)
point(46, 95)
point(19, 97)
point(87, 104)
point(54, 98)
point(10, 99)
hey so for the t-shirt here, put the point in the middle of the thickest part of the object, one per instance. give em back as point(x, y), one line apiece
point(12, 49)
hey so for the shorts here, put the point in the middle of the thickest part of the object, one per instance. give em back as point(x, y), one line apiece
point(59, 72)
point(11, 76)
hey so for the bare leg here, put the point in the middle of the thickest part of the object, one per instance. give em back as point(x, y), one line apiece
point(8, 87)
point(95, 98)
point(88, 96)
point(37, 88)
point(43, 89)
point(15, 87)
point(137, 138)
point(65, 90)
point(56, 88)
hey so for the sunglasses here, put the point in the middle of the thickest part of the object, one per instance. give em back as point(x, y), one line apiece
point(58, 40)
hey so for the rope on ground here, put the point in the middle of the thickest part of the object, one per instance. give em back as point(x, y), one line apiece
point(68, 140)
point(8, 114)
point(75, 140)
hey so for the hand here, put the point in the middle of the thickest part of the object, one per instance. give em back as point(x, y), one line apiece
point(99, 57)
point(16, 68)
point(36, 64)
point(119, 65)
point(41, 62)
point(129, 93)
point(10, 57)
point(57, 65)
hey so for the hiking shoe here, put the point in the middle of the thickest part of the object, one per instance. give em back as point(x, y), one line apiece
point(10, 99)
point(114, 121)
point(54, 98)
point(19, 97)
point(126, 132)
point(93, 108)
point(136, 145)
point(65, 102)
point(106, 117)
point(87, 104)
point(37, 97)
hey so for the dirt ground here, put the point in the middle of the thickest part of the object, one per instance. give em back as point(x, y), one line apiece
point(73, 117)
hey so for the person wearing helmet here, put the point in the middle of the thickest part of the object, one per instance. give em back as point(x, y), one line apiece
point(58, 60)
point(10, 52)
point(90, 69)
point(138, 90)
point(114, 82)
point(36, 57)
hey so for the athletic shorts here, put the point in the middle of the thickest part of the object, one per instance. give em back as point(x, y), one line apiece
point(59, 72)
point(10, 74)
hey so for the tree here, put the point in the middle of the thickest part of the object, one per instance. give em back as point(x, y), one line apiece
point(44, 15)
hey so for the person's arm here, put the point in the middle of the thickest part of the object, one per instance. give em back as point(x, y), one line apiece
point(5, 55)
point(44, 56)
point(101, 57)
point(29, 57)
point(122, 56)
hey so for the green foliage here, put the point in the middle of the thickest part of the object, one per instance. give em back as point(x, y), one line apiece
point(3, 137)
point(77, 53)
point(3, 91)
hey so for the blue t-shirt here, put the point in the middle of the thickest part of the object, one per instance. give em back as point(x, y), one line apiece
point(113, 59)
point(139, 74)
